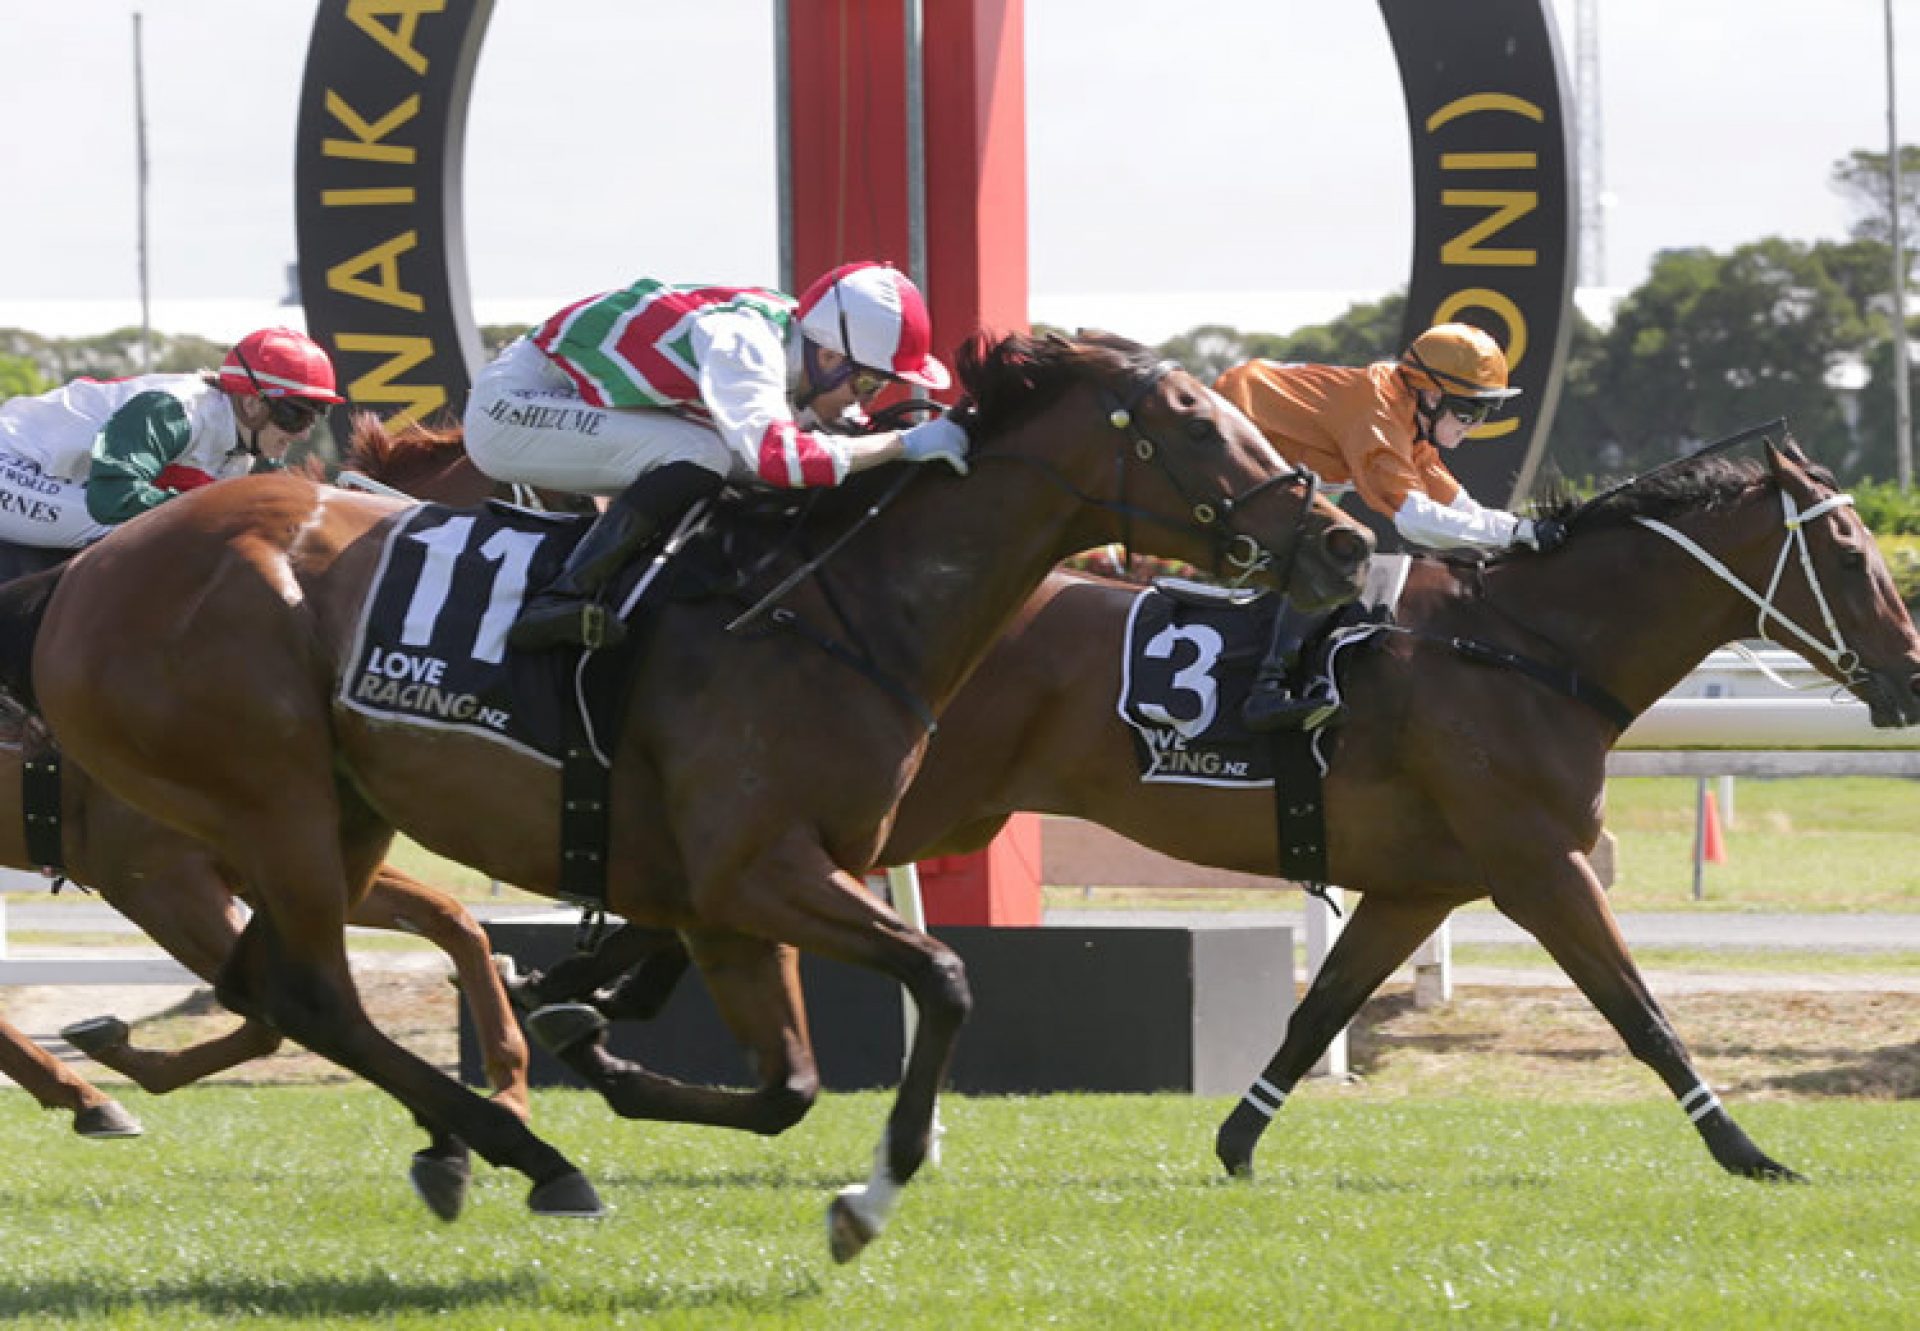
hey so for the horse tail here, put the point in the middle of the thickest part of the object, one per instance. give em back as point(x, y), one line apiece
point(23, 606)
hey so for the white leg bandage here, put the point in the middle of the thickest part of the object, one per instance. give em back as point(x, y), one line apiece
point(1697, 1103)
point(1265, 1098)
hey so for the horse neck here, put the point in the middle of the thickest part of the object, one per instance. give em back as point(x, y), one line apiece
point(1629, 609)
point(953, 562)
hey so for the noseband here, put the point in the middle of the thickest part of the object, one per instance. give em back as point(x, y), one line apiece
point(1844, 661)
point(1231, 547)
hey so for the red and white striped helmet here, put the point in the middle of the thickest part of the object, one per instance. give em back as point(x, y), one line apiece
point(875, 316)
point(278, 362)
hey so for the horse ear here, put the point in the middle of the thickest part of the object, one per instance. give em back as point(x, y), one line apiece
point(1785, 452)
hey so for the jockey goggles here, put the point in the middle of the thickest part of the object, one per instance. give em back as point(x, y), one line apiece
point(1469, 411)
point(291, 415)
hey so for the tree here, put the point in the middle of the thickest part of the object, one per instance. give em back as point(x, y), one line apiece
point(1861, 178)
point(19, 377)
point(1712, 343)
point(1364, 333)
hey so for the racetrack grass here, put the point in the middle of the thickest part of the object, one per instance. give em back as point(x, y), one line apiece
point(286, 1207)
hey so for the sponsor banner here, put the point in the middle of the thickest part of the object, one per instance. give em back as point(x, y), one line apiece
point(382, 133)
point(1488, 114)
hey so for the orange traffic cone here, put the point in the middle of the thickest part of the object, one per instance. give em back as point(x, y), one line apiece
point(1712, 848)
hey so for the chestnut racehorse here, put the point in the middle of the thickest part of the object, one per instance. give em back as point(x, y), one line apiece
point(191, 661)
point(1452, 779)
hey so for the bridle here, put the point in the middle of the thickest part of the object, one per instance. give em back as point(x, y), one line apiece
point(1844, 661)
point(1232, 548)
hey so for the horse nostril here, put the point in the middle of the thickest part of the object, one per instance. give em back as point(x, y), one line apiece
point(1351, 546)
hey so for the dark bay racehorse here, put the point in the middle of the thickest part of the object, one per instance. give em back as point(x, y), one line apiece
point(1453, 779)
point(190, 660)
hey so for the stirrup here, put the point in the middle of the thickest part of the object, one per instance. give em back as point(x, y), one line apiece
point(563, 623)
point(1270, 708)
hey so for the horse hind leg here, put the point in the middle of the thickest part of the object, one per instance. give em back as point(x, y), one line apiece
point(291, 966)
point(755, 985)
point(1378, 939)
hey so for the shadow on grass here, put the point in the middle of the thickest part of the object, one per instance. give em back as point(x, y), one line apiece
point(375, 1298)
point(1889, 1072)
point(357, 1297)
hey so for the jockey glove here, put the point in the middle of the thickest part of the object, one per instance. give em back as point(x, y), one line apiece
point(1543, 534)
point(938, 440)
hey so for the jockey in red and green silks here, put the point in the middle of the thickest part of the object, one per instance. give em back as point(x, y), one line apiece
point(655, 395)
point(79, 460)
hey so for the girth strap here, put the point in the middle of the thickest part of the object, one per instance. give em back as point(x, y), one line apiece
point(1299, 809)
point(40, 807)
point(1568, 683)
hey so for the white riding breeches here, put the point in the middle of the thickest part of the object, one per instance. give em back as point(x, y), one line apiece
point(526, 425)
point(43, 510)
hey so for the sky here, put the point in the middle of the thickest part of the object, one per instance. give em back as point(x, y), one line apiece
point(1184, 162)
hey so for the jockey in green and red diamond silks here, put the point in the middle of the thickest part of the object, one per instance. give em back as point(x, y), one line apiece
point(718, 355)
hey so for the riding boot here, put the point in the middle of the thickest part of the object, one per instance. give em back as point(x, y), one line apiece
point(1271, 703)
point(567, 612)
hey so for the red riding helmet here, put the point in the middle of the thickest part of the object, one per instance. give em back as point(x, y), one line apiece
point(279, 363)
point(875, 316)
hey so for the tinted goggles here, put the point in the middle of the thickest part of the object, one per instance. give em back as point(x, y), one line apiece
point(1469, 411)
point(292, 414)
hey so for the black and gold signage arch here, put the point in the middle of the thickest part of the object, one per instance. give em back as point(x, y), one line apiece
point(382, 137)
point(381, 140)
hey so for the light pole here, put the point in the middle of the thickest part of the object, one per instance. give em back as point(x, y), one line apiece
point(1902, 357)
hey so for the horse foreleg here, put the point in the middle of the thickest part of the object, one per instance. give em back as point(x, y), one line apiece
point(402, 904)
point(54, 1085)
point(793, 892)
point(755, 984)
point(1380, 937)
point(1564, 906)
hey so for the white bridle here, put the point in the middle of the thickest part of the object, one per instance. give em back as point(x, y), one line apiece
point(1844, 660)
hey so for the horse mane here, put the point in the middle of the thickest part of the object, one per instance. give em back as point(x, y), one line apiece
point(373, 448)
point(1018, 375)
point(1697, 485)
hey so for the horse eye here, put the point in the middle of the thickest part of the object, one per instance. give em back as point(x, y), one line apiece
point(1853, 560)
point(1200, 429)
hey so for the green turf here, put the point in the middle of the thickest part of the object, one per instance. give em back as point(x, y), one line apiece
point(286, 1207)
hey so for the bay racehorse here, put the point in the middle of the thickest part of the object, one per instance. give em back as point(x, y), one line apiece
point(191, 660)
point(1455, 777)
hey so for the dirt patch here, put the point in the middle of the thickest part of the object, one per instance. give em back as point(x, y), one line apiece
point(410, 999)
point(1536, 1042)
point(1551, 1044)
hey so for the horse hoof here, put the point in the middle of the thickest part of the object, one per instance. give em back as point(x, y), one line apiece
point(106, 1120)
point(96, 1035)
point(519, 987)
point(848, 1233)
point(558, 1027)
point(441, 1182)
point(569, 1197)
point(1235, 1156)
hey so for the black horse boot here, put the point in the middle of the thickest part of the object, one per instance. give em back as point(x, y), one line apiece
point(566, 612)
point(1271, 704)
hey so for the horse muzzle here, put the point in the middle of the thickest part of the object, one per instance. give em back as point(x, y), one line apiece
point(1334, 567)
point(1892, 698)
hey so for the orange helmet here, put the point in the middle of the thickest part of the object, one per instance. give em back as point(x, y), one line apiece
point(1458, 360)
